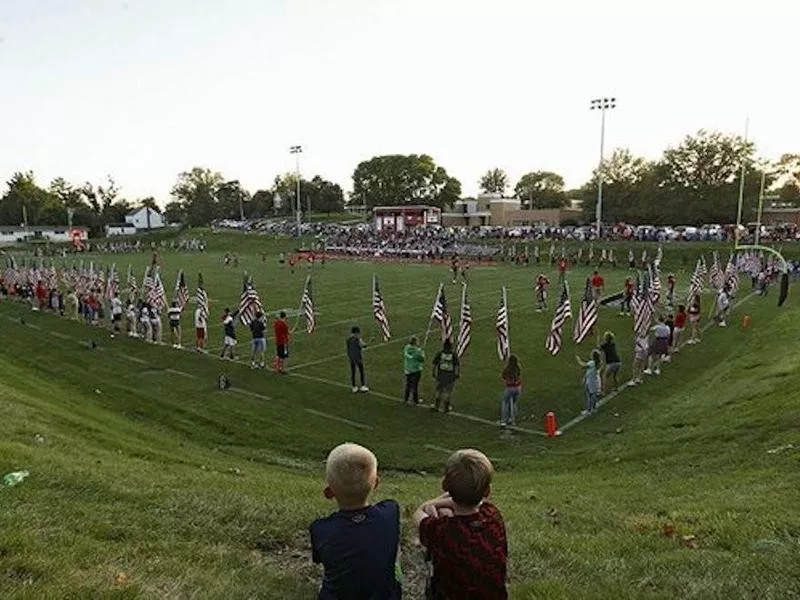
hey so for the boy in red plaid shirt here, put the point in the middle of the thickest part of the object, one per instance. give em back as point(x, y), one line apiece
point(464, 533)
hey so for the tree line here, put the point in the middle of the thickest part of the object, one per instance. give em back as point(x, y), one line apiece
point(695, 182)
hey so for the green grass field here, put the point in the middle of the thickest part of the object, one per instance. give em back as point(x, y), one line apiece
point(147, 482)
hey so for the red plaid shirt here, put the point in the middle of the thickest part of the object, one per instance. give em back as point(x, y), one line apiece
point(469, 555)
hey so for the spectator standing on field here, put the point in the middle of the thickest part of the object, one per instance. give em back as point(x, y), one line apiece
point(413, 359)
point(591, 381)
point(174, 316)
point(200, 329)
point(355, 346)
point(694, 320)
point(229, 331)
point(512, 378)
point(598, 285)
point(612, 360)
point(258, 330)
point(281, 330)
point(446, 369)
point(680, 325)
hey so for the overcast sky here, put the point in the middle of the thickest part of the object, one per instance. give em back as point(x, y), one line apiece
point(143, 89)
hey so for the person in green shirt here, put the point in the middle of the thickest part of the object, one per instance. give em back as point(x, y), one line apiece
point(413, 358)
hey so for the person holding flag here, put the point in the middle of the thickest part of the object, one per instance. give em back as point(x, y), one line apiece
point(446, 369)
point(627, 297)
point(258, 330)
point(174, 317)
point(541, 287)
point(201, 316)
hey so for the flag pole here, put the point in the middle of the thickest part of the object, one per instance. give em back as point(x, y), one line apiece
point(300, 306)
point(508, 318)
point(461, 315)
point(430, 320)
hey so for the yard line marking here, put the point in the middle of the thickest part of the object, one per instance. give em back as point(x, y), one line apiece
point(339, 419)
point(60, 335)
point(181, 373)
point(438, 448)
point(617, 392)
point(398, 400)
point(133, 359)
point(248, 393)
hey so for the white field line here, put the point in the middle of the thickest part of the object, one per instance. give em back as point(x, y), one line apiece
point(438, 449)
point(237, 390)
point(135, 359)
point(60, 335)
point(398, 400)
point(324, 415)
point(181, 373)
point(615, 393)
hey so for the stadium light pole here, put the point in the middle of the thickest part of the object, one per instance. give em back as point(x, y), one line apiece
point(297, 151)
point(601, 104)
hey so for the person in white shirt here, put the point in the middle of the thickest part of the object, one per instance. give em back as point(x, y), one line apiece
point(174, 315)
point(155, 323)
point(144, 319)
point(132, 320)
point(723, 306)
point(116, 313)
point(200, 328)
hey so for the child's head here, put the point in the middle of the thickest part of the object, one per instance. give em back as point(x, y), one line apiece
point(351, 473)
point(596, 356)
point(283, 314)
point(355, 330)
point(681, 308)
point(608, 336)
point(467, 477)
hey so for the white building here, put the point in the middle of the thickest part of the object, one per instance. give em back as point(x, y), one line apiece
point(145, 218)
point(12, 235)
point(120, 229)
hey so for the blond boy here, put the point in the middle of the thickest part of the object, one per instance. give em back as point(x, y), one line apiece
point(464, 533)
point(358, 544)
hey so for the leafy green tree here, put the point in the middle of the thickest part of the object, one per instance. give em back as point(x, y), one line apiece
point(174, 212)
point(261, 204)
point(325, 196)
point(232, 200)
point(494, 181)
point(197, 191)
point(541, 189)
point(399, 179)
point(628, 182)
point(25, 198)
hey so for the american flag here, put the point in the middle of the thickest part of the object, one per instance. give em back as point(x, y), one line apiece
point(563, 312)
point(643, 309)
point(112, 289)
point(202, 297)
point(501, 325)
point(644, 256)
point(441, 315)
point(51, 278)
point(148, 284)
point(98, 281)
point(587, 315)
point(158, 297)
point(715, 276)
point(698, 278)
point(659, 257)
point(181, 291)
point(732, 277)
point(591, 252)
point(307, 303)
point(249, 302)
point(379, 310)
point(464, 325)
point(655, 283)
point(133, 287)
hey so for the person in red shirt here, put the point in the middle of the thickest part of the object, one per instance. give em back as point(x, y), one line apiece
point(627, 298)
point(680, 324)
point(598, 285)
point(562, 269)
point(464, 534)
point(41, 296)
point(281, 329)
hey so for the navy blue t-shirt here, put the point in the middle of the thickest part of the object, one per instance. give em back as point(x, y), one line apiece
point(358, 549)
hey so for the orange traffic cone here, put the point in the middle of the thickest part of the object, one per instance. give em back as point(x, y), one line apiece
point(551, 424)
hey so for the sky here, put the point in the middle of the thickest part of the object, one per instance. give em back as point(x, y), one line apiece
point(144, 89)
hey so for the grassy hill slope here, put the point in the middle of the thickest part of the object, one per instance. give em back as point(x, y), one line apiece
point(146, 482)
